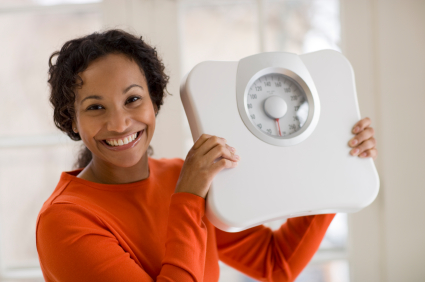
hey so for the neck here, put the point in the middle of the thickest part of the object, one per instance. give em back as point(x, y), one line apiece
point(101, 172)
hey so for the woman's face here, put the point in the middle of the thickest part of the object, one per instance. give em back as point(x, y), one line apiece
point(113, 107)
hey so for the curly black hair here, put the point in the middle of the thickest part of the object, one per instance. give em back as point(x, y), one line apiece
point(76, 55)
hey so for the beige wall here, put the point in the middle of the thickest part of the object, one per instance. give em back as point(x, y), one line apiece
point(385, 42)
point(157, 21)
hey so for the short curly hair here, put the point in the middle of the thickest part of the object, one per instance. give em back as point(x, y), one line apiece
point(76, 55)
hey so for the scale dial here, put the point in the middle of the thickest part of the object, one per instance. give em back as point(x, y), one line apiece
point(277, 105)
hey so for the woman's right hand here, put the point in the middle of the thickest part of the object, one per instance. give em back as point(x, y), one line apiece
point(209, 155)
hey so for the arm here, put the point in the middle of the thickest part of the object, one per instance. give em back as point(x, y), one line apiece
point(75, 245)
point(278, 255)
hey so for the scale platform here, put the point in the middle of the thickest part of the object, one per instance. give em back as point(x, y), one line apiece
point(297, 162)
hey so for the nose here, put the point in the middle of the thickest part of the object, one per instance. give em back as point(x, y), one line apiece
point(118, 120)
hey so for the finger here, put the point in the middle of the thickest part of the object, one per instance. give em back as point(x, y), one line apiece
point(366, 145)
point(221, 151)
point(361, 125)
point(372, 153)
point(209, 144)
point(233, 150)
point(222, 164)
point(202, 139)
point(362, 136)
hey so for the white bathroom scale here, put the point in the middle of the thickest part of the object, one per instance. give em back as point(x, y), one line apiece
point(290, 119)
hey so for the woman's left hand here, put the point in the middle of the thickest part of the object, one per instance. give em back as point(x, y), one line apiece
point(363, 143)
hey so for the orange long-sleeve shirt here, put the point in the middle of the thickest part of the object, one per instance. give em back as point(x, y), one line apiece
point(143, 231)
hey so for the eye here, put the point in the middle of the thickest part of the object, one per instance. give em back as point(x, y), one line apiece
point(132, 99)
point(94, 107)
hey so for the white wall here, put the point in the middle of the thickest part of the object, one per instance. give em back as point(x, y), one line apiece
point(385, 42)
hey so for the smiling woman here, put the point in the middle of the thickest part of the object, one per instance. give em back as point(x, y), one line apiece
point(89, 70)
point(123, 216)
point(106, 116)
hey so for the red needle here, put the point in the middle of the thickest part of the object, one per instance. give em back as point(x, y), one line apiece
point(277, 120)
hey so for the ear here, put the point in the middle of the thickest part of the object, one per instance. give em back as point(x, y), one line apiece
point(155, 109)
point(74, 127)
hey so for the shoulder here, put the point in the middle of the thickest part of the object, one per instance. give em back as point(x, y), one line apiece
point(64, 208)
point(61, 211)
point(66, 221)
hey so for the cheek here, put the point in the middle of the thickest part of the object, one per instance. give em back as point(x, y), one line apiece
point(147, 114)
point(148, 118)
point(88, 127)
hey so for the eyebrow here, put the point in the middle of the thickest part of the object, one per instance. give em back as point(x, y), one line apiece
point(97, 97)
point(131, 86)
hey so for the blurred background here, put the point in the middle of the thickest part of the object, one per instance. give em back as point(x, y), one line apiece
point(383, 39)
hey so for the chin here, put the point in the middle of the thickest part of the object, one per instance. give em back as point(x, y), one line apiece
point(128, 161)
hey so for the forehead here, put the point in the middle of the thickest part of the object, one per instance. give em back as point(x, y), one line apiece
point(111, 72)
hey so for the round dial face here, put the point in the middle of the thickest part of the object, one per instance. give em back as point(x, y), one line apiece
point(277, 105)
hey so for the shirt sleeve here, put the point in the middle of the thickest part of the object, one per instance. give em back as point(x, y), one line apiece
point(278, 255)
point(73, 244)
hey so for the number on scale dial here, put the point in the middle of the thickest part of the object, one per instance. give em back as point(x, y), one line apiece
point(277, 105)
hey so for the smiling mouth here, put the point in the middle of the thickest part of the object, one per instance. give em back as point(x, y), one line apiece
point(122, 141)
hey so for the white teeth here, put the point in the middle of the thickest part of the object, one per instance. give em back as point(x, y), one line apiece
point(120, 142)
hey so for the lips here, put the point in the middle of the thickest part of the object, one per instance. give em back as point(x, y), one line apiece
point(118, 147)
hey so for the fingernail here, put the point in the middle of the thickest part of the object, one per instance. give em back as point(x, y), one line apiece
point(354, 142)
point(363, 155)
point(236, 157)
point(232, 149)
point(356, 129)
point(355, 151)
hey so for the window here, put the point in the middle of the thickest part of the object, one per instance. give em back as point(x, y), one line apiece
point(231, 30)
point(32, 149)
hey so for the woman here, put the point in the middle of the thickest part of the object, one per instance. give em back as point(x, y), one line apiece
point(127, 217)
